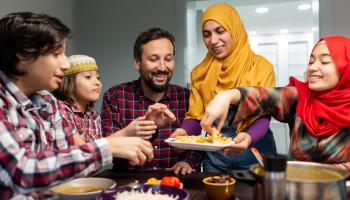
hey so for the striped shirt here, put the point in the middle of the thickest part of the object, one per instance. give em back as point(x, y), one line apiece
point(125, 102)
point(87, 125)
point(281, 104)
point(36, 149)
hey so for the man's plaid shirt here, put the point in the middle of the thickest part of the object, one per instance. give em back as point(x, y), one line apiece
point(125, 102)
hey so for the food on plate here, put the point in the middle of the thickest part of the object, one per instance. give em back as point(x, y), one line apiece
point(80, 189)
point(137, 195)
point(167, 180)
point(213, 138)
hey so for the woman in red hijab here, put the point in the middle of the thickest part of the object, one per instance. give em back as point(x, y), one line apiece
point(317, 111)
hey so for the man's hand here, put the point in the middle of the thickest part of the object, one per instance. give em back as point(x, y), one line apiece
point(182, 167)
point(134, 149)
point(178, 132)
point(242, 142)
point(140, 127)
point(160, 114)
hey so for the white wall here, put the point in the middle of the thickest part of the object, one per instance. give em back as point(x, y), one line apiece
point(61, 9)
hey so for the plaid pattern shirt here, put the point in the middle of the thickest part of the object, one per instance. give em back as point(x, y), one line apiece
point(36, 149)
point(281, 104)
point(87, 125)
point(125, 102)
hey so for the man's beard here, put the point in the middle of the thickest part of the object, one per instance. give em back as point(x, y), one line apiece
point(154, 86)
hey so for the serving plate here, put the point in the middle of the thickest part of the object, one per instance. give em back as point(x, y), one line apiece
point(196, 145)
point(177, 193)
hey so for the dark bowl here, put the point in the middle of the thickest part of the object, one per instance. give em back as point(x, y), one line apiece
point(182, 194)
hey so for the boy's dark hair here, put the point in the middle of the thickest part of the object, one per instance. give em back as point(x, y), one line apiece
point(149, 35)
point(28, 35)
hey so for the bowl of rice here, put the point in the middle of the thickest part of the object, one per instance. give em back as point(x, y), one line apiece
point(145, 192)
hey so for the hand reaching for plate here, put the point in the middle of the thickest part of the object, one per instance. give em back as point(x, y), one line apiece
point(160, 114)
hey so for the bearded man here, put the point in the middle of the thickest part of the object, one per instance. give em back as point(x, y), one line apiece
point(150, 107)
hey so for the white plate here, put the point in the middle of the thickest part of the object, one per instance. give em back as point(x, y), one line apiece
point(105, 182)
point(197, 146)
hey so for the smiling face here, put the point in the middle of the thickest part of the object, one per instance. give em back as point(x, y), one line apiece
point(44, 73)
point(217, 40)
point(87, 87)
point(157, 64)
point(322, 74)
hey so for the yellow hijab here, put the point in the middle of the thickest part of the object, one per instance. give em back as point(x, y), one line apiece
point(242, 67)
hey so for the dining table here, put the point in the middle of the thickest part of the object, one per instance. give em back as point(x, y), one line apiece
point(192, 183)
point(245, 187)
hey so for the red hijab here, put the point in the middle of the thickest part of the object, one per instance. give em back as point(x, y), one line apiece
point(325, 112)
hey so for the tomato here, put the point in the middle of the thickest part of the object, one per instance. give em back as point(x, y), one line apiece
point(171, 181)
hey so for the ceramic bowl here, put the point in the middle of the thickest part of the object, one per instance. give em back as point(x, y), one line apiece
point(219, 191)
point(64, 190)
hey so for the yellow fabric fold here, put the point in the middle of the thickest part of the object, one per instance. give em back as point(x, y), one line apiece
point(242, 67)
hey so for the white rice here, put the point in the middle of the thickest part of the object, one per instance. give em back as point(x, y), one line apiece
point(137, 195)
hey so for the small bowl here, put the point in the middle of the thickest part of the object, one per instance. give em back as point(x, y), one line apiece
point(63, 192)
point(258, 172)
point(219, 191)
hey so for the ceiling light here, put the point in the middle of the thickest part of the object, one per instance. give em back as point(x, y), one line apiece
point(304, 6)
point(284, 31)
point(262, 10)
point(252, 33)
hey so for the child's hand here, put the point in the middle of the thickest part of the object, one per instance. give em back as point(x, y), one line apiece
point(140, 127)
point(135, 149)
point(160, 114)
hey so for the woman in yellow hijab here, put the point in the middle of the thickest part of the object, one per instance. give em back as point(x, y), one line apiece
point(229, 63)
